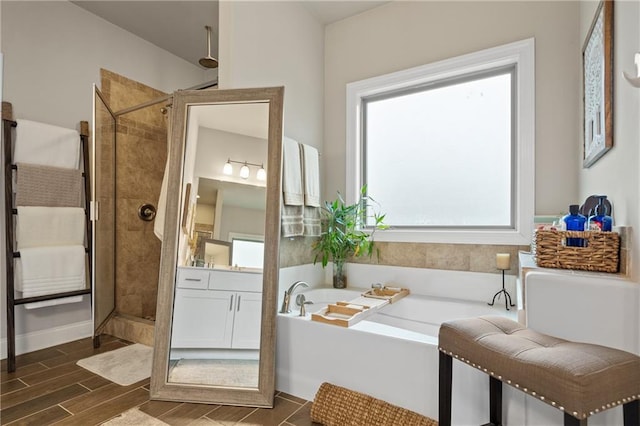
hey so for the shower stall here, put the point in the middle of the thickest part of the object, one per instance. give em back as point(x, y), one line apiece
point(130, 141)
point(130, 152)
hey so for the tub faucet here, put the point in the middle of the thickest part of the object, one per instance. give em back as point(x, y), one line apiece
point(301, 300)
point(287, 296)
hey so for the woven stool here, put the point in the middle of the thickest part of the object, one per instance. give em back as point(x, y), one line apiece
point(577, 378)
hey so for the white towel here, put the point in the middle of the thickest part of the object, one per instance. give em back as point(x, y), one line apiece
point(40, 143)
point(48, 270)
point(158, 224)
point(50, 226)
point(311, 175)
point(292, 221)
point(292, 173)
point(311, 221)
point(62, 301)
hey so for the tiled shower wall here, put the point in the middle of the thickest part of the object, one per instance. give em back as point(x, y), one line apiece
point(141, 153)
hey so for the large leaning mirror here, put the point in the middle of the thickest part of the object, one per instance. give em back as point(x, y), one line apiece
point(215, 324)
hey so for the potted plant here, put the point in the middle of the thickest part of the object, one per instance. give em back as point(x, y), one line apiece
point(344, 233)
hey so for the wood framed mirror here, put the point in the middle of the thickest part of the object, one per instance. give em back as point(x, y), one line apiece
point(215, 323)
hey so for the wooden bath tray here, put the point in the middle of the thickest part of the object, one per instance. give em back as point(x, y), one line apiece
point(344, 314)
point(391, 294)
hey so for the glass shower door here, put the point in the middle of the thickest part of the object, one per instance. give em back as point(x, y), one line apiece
point(103, 212)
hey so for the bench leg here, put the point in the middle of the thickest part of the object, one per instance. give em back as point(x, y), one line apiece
point(631, 412)
point(569, 420)
point(495, 401)
point(444, 392)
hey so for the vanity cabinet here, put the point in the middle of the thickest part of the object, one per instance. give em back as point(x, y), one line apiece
point(217, 309)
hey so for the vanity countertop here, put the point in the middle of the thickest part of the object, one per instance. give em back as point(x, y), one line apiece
point(226, 269)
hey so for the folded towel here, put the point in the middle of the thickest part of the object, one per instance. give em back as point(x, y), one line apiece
point(63, 301)
point(311, 221)
point(50, 226)
point(48, 186)
point(311, 175)
point(292, 173)
point(292, 221)
point(49, 270)
point(39, 143)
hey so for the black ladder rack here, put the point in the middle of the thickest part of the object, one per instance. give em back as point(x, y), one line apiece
point(8, 124)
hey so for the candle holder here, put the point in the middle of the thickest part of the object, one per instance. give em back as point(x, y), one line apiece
point(502, 261)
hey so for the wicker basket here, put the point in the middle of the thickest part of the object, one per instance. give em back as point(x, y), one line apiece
point(338, 406)
point(600, 254)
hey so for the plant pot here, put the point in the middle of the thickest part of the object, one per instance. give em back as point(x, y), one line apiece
point(339, 275)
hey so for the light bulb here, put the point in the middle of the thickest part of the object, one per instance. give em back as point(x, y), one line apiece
point(244, 171)
point(228, 168)
point(262, 173)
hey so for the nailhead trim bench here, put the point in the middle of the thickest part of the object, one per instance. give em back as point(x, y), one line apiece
point(579, 379)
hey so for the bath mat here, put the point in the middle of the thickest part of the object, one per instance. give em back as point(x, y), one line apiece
point(134, 417)
point(124, 366)
point(221, 372)
point(338, 406)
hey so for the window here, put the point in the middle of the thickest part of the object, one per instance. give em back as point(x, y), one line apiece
point(447, 148)
point(247, 253)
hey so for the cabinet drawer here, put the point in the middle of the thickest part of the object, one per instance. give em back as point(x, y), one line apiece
point(193, 278)
point(235, 281)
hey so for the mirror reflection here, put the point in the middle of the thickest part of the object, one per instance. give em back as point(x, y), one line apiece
point(215, 335)
point(229, 224)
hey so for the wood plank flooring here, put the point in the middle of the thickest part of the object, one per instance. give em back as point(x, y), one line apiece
point(49, 388)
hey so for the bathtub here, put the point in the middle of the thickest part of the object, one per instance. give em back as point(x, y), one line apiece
point(391, 355)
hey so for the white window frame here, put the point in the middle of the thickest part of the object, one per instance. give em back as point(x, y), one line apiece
point(522, 55)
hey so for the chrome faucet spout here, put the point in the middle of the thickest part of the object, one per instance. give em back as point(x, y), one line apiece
point(295, 285)
point(287, 296)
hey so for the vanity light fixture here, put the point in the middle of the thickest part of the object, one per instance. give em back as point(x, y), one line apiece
point(261, 174)
point(244, 171)
point(228, 168)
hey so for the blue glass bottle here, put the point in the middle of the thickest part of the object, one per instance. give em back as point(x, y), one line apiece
point(600, 220)
point(575, 222)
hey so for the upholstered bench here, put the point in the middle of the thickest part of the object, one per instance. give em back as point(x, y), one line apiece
point(579, 379)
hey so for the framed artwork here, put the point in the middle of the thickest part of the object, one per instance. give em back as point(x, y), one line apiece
point(597, 69)
point(185, 209)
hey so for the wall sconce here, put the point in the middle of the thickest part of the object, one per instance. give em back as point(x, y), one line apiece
point(261, 174)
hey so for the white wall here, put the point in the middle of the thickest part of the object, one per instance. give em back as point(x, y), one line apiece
point(276, 44)
point(241, 221)
point(617, 174)
point(400, 35)
point(216, 146)
point(53, 52)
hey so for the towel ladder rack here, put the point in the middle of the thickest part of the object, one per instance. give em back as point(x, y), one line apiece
point(8, 124)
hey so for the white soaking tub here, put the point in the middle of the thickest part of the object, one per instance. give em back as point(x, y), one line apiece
point(391, 355)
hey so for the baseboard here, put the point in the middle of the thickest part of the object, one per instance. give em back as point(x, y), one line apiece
point(42, 339)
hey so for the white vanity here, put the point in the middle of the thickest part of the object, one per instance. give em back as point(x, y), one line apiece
point(217, 310)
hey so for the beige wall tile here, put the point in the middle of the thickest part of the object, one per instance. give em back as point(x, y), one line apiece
point(141, 152)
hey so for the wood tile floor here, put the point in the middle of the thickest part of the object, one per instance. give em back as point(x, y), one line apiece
point(49, 388)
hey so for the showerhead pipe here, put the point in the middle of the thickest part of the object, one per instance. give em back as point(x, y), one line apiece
point(208, 61)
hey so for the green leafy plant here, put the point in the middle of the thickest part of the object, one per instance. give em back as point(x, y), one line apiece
point(344, 231)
